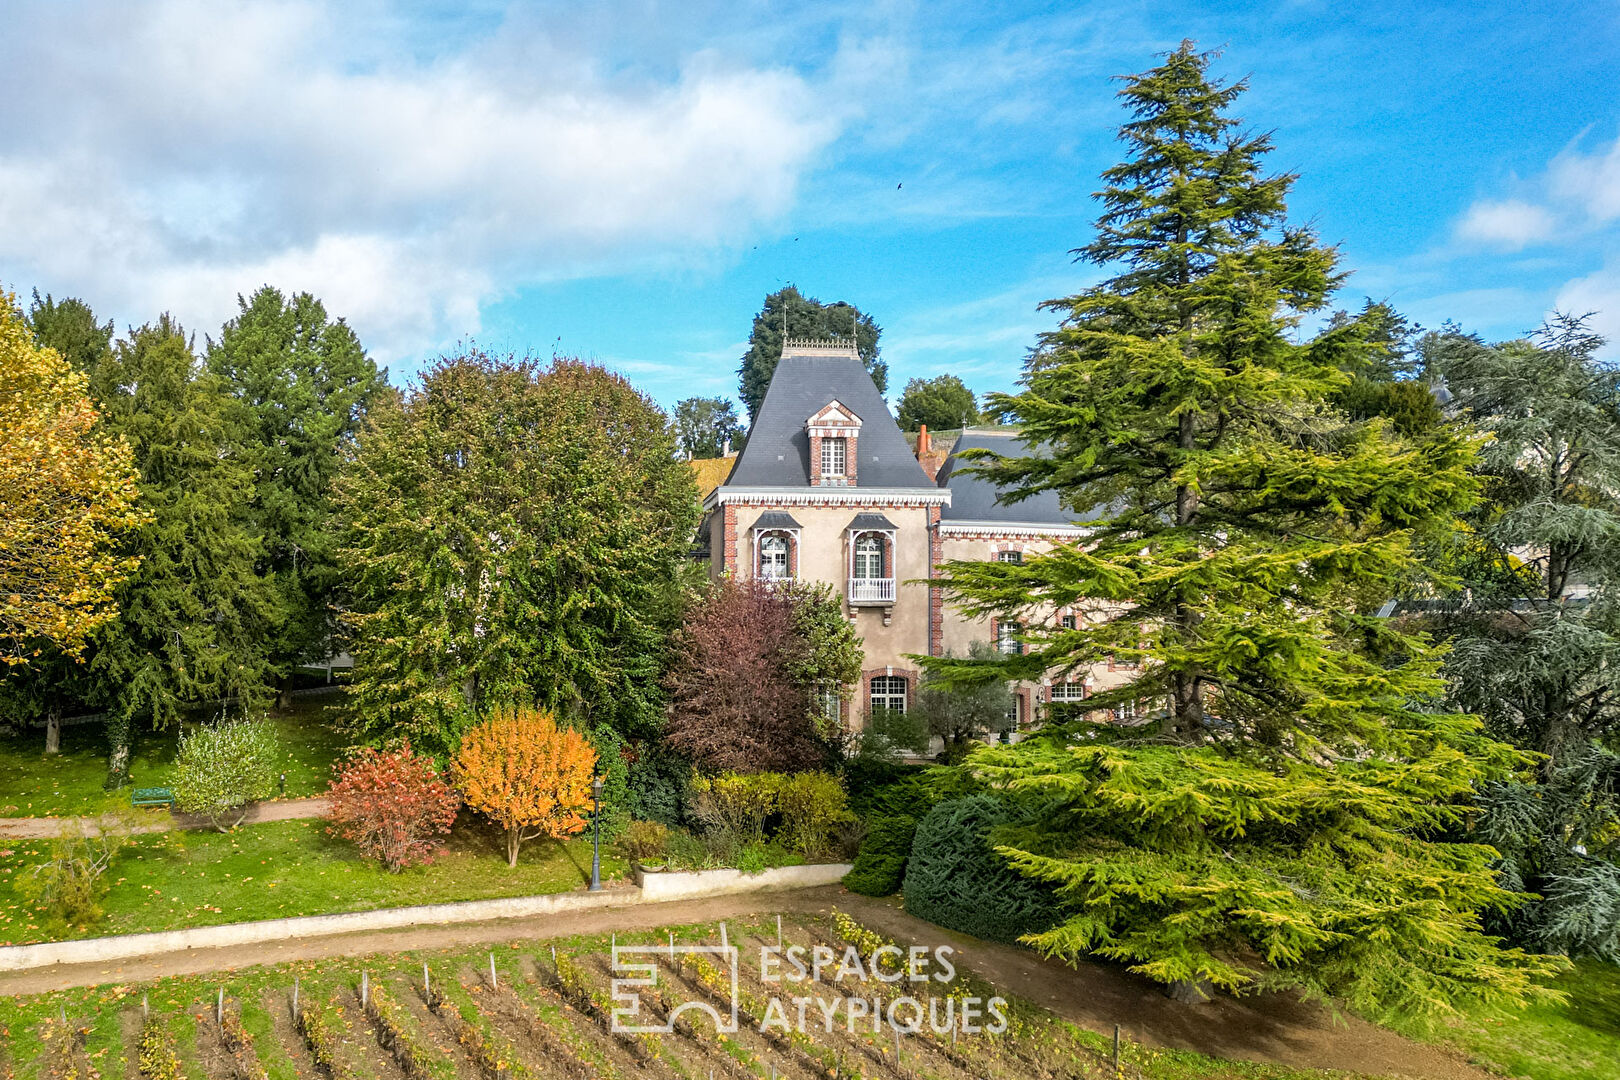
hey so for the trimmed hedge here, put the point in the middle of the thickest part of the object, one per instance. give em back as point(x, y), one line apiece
point(880, 865)
point(954, 879)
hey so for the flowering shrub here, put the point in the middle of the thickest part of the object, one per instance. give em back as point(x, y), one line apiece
point(391, 804)
point(154, 1051)
point(813, 805)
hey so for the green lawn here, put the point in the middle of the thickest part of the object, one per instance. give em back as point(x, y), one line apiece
point(1577, 1040)
point(69, 783)
point(173, 880)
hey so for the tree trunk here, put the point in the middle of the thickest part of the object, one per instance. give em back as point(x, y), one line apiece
point(53, 731)
point(118, 753)
point(514, 838)
point(1190, 991)
point(284, 697)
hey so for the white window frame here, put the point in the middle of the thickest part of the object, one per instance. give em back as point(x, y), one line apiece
point(886, 696)
point(1007, 643)
point(1125, 710)
point(1071, 621)
point(1068, 691)
point(835, 456)
point(867, 546)
point(1014, 557)
point(767, 557)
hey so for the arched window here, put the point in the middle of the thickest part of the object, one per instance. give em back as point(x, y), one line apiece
point(773, 557)
point(869, 556)
point(889, 692)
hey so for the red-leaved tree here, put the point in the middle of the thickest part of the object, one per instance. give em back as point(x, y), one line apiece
point(743, 675)
point(391, 804)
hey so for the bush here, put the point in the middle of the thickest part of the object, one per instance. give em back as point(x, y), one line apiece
point(69, 885)
point(660, 786)
point(390, 804)
point(813, 805)
point(529, 776)
point(880, 866)
point(882, 788)
point(737, 804)
point(954, 879)
point(613, 763)
point(219, 770)
point(646, 841)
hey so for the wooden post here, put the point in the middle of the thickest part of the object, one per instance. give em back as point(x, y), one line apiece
point(554, 958)
point(779, 931)
point(722, 934)
point(1116, 1047)
point(427, 989)
point(295, 999)
point(492, 970)
point(219, 1008)
point(145, 1009)
point(365, 988)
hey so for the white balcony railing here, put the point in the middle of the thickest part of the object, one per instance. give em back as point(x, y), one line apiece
point(872, 590)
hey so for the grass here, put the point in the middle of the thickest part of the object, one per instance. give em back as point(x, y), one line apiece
point(69, 783)
point(172, 880)
point(1575, 1040)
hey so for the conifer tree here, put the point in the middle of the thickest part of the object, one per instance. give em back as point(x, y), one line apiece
point(194, 619)
point(1276, 822)
point(804, 317)
point(306, 384)
point(69, 326)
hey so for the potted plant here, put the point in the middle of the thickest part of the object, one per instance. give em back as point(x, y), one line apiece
point(647, 845)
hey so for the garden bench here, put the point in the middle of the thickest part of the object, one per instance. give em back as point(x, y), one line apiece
point(152, 796)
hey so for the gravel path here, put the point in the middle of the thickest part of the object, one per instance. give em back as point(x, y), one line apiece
point(44, 828)
point(1270, 1028)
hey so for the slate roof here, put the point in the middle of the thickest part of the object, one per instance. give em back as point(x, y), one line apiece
point(775, 519)
point(973, 498)
point(877, 522)
point(778, 450)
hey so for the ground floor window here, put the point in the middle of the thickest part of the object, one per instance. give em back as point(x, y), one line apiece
point(831, 702)
point(889, 692)
point(1007, 639)
point(1068, 691)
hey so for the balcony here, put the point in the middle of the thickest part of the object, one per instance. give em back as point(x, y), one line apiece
point(874, 590)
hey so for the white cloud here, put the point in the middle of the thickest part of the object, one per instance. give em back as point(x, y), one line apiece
point(1590, 181)
point(1511, 224)
point(1598, 294)
point(174, 154)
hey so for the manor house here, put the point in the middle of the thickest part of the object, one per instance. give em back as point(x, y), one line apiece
point(828, 489)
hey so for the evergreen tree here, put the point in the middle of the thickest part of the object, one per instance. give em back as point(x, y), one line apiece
point(69, 326)
point(194, 620)
point(1534, 621)
point(1387, 372)
point(306, 384)
point(515, 535)
point(805, 317)
point(1276, 823)
point(943, 403)
point(707, 426)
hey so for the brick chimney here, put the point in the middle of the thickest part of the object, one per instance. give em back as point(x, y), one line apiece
point(922, 441)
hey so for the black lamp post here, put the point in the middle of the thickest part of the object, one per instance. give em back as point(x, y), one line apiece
point(596, 835)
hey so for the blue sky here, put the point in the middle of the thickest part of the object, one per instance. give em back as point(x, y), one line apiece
point(626, 182)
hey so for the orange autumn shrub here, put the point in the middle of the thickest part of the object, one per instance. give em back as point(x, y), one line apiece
point(527, 774)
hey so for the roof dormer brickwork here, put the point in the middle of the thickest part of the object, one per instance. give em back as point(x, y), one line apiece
point(833, 463)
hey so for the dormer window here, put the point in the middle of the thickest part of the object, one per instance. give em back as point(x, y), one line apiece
point(834, 457)
point(833, 431)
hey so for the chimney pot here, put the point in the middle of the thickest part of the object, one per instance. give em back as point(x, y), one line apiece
point(922, 441)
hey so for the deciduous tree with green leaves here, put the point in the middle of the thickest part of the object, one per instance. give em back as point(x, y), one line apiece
point(195, 618)
point(804, 317)
point(515, 533)
point(1277, 823)
point(707, 426)
point(943, 403)
point(305, 383)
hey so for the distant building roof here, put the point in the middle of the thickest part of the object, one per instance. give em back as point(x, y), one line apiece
point(974, 500)
point(809, 376)
point(710, 473)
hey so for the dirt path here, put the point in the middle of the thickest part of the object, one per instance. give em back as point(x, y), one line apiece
point(44, 828)
point(1268, 1028)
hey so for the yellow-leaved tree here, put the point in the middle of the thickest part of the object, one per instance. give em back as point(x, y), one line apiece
point(527, 774)
point(67, 492)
